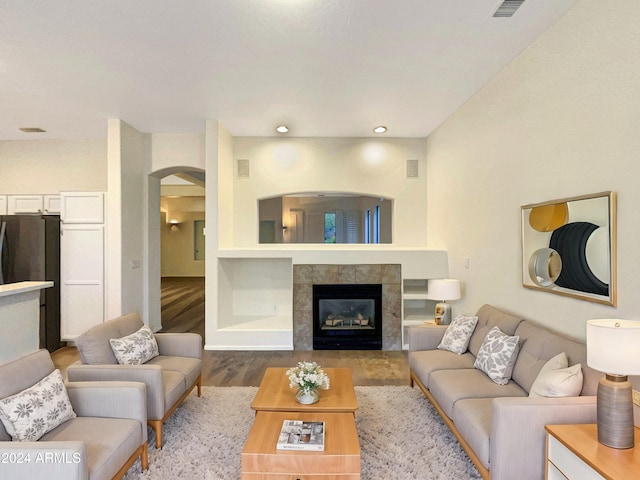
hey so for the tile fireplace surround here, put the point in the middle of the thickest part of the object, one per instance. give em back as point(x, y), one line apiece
point(305, 276)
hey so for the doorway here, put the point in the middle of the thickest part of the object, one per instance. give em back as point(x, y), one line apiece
point(182, 252)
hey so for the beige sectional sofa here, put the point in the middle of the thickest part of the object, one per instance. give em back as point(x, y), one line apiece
point(500, 426)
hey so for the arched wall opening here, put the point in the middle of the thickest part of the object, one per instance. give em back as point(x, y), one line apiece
point(176, 249)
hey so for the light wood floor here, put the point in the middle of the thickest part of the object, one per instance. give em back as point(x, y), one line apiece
point(235, 368)
point(182, 304)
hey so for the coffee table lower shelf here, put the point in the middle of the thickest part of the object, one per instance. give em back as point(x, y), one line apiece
point(339, 461)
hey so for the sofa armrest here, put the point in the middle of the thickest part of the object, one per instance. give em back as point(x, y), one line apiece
point(150, 375)
point(51, 460)
point(110, 400)
point(425, 337)
point(518, 437)
point(179, 344)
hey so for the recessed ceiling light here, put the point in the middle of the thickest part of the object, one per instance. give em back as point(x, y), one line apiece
point(380, 129)
point(282, 129)
point(32, 130)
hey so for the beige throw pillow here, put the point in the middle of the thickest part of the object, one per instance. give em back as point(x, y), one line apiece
point(557, 380)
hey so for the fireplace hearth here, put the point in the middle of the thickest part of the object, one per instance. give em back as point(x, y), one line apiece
point(347, 317)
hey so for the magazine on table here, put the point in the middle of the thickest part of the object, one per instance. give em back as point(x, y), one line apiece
point(301, 435)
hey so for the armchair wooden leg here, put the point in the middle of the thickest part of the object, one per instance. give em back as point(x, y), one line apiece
point(144, 457)
point(199, 383)
point(157, 427)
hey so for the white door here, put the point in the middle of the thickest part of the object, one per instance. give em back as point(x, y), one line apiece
point(81, 278)
point(313, 227)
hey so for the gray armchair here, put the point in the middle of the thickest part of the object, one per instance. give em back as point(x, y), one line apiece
point(170, 377)
point(106, 437)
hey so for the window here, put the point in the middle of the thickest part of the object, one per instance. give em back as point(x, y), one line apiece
point(367, 226)
point(376, 224)
point(329, 228)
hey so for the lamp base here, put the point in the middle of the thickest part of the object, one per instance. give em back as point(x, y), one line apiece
point(443, 314)
point(615, 412)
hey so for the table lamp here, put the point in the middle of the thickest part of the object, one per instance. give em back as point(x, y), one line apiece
point(612, 346)
point(443, 289)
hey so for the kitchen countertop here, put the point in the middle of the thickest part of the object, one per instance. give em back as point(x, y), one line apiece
point(22, 287)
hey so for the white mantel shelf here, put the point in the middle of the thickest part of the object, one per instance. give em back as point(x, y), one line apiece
point(22, 287)
point(20, 318)
point(416, 262)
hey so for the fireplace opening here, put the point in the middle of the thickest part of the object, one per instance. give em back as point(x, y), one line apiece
point(347, 317)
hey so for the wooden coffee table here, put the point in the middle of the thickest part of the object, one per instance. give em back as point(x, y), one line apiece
point(275, 402)
point(340, 459)
point(274, 394)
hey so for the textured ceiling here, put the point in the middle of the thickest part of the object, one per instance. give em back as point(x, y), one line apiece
point(327, 68)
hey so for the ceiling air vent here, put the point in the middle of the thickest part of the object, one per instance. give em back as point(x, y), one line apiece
point(508, 8)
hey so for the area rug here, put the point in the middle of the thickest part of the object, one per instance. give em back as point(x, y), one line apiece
point(401, 437)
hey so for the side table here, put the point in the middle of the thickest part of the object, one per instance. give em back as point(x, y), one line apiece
point(574, 453)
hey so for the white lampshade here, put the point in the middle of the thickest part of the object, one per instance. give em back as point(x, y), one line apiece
point(612, 346)
point(444, 289)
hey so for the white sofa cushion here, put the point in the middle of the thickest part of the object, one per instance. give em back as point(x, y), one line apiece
point(497, 355)
point(31, 413)
point(456, 338)
point(557, 380)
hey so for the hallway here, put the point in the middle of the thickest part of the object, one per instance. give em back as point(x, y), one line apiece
point(182, 304)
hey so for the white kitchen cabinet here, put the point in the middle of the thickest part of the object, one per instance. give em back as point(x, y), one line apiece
point(3, 204)
point(82, 282)
point(51, 204)
point(82, 262)
point(24, 204)
point(82, 207)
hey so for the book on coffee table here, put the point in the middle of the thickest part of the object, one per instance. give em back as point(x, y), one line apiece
point(301, 435)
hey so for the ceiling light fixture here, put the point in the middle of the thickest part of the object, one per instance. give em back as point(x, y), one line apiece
point(380, 129)
point(32, 130)
point(282, 129)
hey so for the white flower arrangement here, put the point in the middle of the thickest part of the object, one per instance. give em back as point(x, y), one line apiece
point(308, 376)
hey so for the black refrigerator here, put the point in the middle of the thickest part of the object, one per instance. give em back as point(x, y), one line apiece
point(30, 250)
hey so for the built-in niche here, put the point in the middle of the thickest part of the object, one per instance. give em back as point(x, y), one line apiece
point(325, 217)
point(569, 247)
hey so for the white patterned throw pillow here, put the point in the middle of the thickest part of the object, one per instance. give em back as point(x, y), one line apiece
point(456, 337)
point(556, 379)
point(497, 355)
point(135, 349)
point(30, 414)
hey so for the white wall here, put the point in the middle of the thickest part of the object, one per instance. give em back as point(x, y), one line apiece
point(368, 166)
point(561, 120)
point(179, 149)
point(129, 155)
point(52, 166)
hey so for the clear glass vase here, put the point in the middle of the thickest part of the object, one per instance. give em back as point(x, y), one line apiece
point(307, 397)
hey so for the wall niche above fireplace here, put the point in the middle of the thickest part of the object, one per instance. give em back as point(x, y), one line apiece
point(325, 217)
